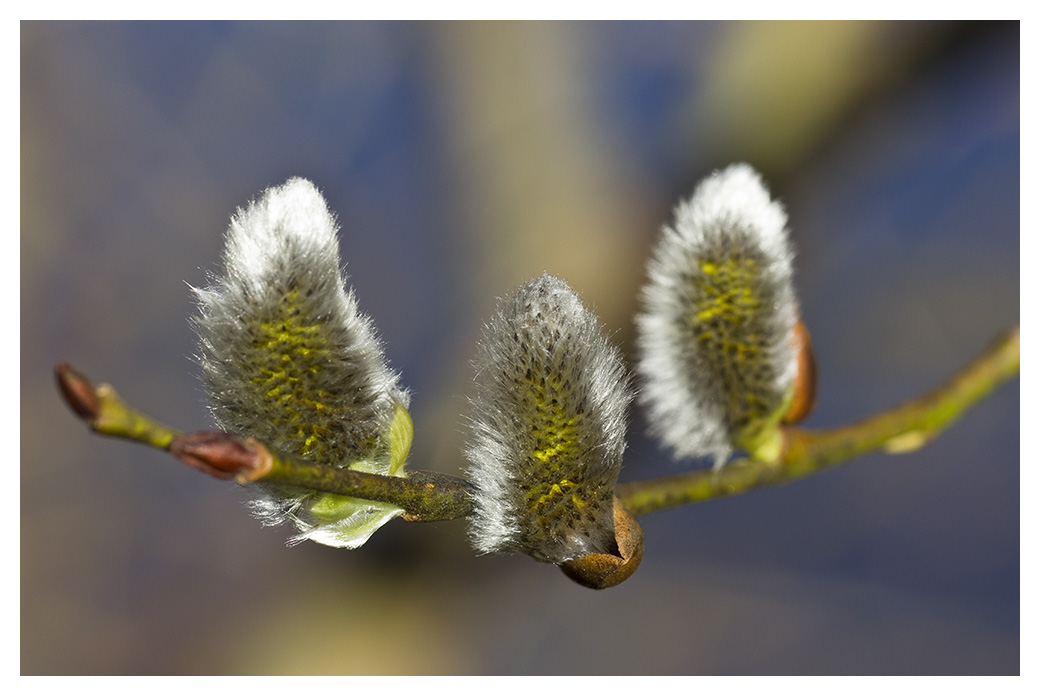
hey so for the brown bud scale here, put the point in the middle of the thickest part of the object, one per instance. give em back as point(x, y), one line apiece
point(805, 376)
point(78, 392)
point(602, 570)
point(218, 454)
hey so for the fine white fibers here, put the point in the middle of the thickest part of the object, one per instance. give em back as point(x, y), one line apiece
point(715, 336)
point(287, 357)
point(548, 427)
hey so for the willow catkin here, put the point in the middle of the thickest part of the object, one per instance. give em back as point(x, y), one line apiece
point(715, 337)
point(288, 359)
point(548, 427)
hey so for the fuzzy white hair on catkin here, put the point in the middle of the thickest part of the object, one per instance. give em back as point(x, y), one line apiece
point(547, 431)
point(688, 389)
point(286, 355)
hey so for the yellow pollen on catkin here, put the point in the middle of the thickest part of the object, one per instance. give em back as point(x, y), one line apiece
point(555, 444)
point(291, 353)
point(725, 321)
point(556, 490)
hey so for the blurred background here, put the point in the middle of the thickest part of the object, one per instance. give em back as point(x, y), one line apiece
point(463, 159)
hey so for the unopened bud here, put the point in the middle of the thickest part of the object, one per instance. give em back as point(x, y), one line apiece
point(222, 456)
point(79, 393)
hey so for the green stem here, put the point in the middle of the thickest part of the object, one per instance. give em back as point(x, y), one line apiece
point(807, 452)
point(424, 495)
point(428, 496)
point(107, 414)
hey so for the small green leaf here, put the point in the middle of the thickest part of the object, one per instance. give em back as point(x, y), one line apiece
point(347, 522)
point(400, 440)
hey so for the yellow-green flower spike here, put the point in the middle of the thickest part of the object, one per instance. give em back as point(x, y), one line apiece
point(716, 335)
point(289, 359)
point(548, 428)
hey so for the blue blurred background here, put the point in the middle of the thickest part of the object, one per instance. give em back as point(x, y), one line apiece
point(463, 159)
